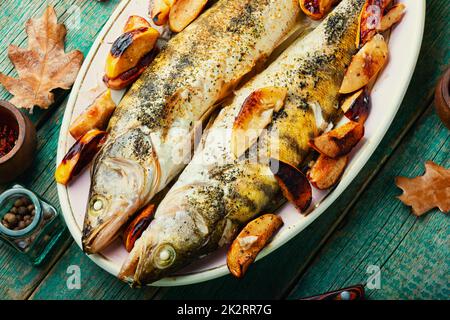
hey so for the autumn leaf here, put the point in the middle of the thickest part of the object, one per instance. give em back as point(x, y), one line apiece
point(428, 191)
point(43, 66)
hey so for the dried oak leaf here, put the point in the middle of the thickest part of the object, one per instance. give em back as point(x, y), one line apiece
point(43, 66)
point(428, 191)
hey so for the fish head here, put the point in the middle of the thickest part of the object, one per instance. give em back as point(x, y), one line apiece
point(179, 234)
point(121, 184)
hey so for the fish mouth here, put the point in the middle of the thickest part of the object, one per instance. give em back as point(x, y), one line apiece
point(148, 264)
point(128, 271)
point(125, 187)
point(172, 241)
point(98, 239)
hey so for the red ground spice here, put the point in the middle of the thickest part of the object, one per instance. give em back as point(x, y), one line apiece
point(8, 138)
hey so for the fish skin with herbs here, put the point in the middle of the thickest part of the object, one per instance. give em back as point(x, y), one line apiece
point(217, 194)
point(154, 124)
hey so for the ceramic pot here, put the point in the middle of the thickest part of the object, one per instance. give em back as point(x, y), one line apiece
point(15, 162)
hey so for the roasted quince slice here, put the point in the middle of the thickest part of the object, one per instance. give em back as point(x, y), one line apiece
point(316, 9)
point(370, 20)
point(183, 12)
point(80, 155)
point(138, 225)
point(96, 116)
point(250, 241)
point(255, 114)
point(356, 107)
point(136, 22)
point(327, 171)
point(129, 49)
point(340, 141)
point(394, 15)
point(293, 183)
point(365, 65)
point(126, 78)
point(161, 10)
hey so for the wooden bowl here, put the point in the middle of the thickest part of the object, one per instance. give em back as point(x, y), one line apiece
point(442, 99)
point(14, 163)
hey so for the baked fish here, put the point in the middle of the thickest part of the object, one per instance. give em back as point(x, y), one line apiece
point(219, 191)
point(150, 133)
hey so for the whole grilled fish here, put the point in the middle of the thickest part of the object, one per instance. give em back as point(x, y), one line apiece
point(217, 193)
point(151, 131)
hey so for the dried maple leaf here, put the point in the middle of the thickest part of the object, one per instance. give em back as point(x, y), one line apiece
point(428, 191)
point(43, 66)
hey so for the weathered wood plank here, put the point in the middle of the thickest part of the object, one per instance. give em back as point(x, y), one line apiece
point(289, 261)
point(95, 283)
point(412, 253)
point(17, 278)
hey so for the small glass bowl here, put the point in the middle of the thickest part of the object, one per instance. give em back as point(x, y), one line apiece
point(35, 241)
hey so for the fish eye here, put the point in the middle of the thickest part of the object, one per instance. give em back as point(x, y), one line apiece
point(164, 256)
point(97, 205)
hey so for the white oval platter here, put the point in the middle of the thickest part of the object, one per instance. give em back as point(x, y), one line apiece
point(387, 95)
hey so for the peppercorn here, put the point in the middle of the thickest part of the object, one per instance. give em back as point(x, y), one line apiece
point(20, 216)
point(18, 203)
point(22, 211)
point(25, 201)
point(11, 218)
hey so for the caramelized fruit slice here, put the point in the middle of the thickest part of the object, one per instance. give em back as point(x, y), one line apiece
point(129, 49)
point(365, 65)
point(340, 141)
point(136, 22)
point(79, 156)
point(316, 9)
point(370, 20)
point(137, 226)
point(160, 11)
point(357, 106)
point(255, 114)
point(293, 183)
point(96, 116)
point(394, 15)
point(250, 241)
point(128, 77)
point(327, 171)
point(183, 12)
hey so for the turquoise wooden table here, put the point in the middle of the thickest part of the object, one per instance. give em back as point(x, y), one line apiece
point(367, 230)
